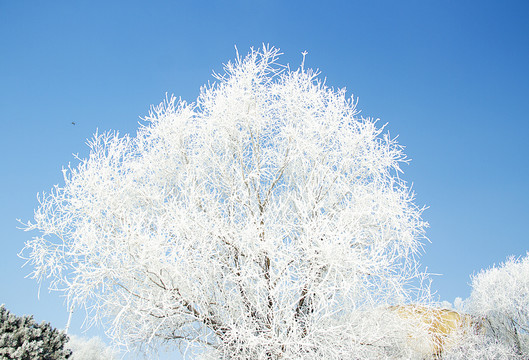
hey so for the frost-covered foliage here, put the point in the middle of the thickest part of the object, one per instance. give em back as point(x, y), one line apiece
point(265, 221)
point(21, 338)
point(89, 349)
point(480, 346)
point(501, 295)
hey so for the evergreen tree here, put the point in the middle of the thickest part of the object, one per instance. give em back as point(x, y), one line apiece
point(21, 338)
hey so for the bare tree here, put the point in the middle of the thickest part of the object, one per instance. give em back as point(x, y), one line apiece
point(265, 221)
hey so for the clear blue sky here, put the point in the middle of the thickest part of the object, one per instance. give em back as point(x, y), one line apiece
point(450, 77)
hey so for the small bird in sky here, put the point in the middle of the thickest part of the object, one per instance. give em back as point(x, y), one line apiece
point(73, 123)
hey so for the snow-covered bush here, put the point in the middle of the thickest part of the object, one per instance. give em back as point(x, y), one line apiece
point(260, 222)
point(21, 338)
point(501, 295)
point(480, 346)
point(89, 349)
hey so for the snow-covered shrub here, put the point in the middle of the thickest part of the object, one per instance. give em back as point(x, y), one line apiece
point(480, 346)
point(21, 338)
point(501, 295)
point(432, 331)
point(89, 349)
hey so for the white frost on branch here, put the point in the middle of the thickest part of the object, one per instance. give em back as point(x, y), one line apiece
point(501, 296)
point(90, 349)
point(266, 220)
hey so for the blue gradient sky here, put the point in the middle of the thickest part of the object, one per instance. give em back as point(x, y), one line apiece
point(450, 77)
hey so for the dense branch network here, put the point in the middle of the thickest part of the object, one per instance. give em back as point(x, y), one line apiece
point(264, 221)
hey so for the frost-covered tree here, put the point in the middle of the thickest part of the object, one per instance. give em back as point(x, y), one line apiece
point(267, 220)
point(89, 349)
point(21, 338)
point(501, 295)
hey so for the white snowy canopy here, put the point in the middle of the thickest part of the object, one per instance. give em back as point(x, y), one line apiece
point(259, 220)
